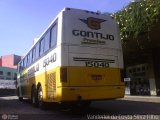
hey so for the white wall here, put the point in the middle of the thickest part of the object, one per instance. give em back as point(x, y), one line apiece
point(7, 84)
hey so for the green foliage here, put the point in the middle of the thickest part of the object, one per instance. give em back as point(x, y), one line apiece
point(137, 18)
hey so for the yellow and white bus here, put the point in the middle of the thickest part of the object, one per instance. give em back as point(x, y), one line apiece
point(77, 58)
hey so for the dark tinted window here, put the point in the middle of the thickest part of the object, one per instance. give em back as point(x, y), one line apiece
point(33, 54)
point(143, 68)
point(8, 73)
point(41, 47)
point(18, 67)
point(138, 69)
point(28, 60)
point(25, 62)
point(37, 51)
point(1, 72)
point(47, 40)
point(30, 57)
point(15, 76)
point(22, 65)
point(134, 69)
point(54, 35)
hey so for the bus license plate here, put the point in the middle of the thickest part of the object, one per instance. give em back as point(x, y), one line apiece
point(96, 77)
point(97, 64)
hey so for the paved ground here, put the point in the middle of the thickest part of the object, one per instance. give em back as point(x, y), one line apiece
point(135, 107)
point(4, 92)
point(153, 99)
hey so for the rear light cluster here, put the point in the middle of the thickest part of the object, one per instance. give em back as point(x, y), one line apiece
point(63, 74)
point(122, 75)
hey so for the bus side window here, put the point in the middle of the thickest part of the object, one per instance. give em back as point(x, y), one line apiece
point(30, 57)
point(19, 67)
point(47, 39)
point(37, 51)
point(22, 65)
point(28, 60)
point(41, 47)
point(53, 36)
point(25, 62)
point(33, 54)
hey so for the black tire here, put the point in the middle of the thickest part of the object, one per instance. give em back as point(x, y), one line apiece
point(19, 98)
point(17, 92)
point(40, 101)
point(34, 96)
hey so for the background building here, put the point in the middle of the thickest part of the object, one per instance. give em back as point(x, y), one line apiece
point(9, 61)
point(8, 67)
point(8, 73)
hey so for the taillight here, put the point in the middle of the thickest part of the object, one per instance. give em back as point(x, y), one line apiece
point(122, 75)
point(63, 74)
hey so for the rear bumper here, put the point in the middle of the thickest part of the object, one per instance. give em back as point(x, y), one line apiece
point(68, 94)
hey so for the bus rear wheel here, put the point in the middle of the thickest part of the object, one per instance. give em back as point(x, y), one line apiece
point(18, 94)
point(20, 98)
point(40, 102)
point(34, 96)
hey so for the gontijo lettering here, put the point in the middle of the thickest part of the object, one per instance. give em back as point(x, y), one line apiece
point(90, 34)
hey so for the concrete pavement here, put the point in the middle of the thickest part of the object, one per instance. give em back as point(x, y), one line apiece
point(154, 99)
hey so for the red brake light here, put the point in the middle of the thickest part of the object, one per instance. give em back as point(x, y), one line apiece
point(122, 75)
point(63, 74)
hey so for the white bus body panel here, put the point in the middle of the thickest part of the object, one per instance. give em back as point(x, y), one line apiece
point(77, 43)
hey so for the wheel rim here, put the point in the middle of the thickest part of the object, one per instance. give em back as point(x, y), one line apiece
point(40, 96)
point(33, 99)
